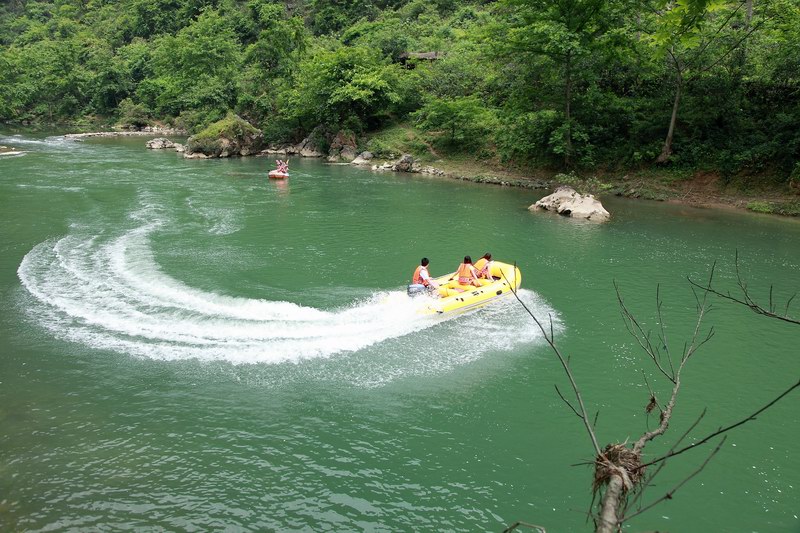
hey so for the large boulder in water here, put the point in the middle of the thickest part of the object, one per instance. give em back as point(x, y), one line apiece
point(568, 202)
point(228, 137)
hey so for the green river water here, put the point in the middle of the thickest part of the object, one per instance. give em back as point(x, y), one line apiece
point(188, 346)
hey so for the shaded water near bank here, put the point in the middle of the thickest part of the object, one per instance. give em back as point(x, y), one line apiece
point(186, 344)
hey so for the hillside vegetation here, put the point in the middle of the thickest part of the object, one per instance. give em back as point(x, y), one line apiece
point(571, 84)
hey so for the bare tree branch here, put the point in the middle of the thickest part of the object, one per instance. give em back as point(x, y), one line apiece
point(666, 415)
point(668, 495)
point(564, 363)
point(714, 36)
point(664, 341)
point(730, 50)
point(642, 337)
point(567, 402)
point(748, 301)
point(723, 430)
point(515, 525)
point(646, 483)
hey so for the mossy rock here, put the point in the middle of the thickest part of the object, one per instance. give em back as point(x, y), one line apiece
point(230, 136)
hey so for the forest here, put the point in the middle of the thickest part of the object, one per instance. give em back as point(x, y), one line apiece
point(707, 85)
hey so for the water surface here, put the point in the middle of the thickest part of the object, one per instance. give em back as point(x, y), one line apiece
point(188, 345)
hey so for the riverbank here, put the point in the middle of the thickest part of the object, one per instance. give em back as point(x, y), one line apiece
point(763, 194)
point(695, 188)
point(145, 132)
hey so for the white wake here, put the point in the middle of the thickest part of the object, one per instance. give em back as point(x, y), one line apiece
point(110, 293)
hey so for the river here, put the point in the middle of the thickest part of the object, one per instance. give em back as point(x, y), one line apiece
point(187, 345)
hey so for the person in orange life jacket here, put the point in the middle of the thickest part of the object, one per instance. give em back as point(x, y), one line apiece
point(466, 273)
point(421, 275)
point(484, 266)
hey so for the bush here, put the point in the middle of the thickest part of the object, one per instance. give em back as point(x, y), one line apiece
point(760, 206)
point(463, 123)
point(132, 114)
point(790, 209)
point(526, 137)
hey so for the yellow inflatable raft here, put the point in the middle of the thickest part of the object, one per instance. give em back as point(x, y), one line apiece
point(456, 297)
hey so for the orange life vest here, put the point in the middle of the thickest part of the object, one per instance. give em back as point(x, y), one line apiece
point(417, 278)
point(466, 273)
point(483, 266)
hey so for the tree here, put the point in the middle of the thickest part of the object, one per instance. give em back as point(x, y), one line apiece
point(278, 42)
point(564, 32)
point(684, 32)
point(194, 70)
point(346, 86)
point(620, 473)
point(464, 119)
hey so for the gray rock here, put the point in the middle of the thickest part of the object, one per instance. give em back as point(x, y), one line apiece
point(363, 159)
point(307, 148)
point(343, 147)
point(404, 164)
point(160, 143)
point(348, 154)
point(384, 166)
point(274, 150)
point(431, 170)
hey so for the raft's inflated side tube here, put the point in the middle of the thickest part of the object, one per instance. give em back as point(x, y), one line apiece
point(457, 297)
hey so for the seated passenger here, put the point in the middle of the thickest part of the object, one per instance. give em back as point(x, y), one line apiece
point(422, 277)
point(466, 273)
point(484, 266)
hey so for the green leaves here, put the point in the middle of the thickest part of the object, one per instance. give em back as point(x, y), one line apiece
point(195, 69)
point(459, 123)
point(345, 83)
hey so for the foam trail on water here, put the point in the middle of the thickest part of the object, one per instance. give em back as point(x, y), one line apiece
point(110, 293)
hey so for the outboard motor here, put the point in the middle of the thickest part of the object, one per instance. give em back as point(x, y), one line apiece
point(417, 289)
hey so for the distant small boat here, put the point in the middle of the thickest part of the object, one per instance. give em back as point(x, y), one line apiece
point(275, 175)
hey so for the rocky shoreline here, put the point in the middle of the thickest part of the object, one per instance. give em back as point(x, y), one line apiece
point(145, 132)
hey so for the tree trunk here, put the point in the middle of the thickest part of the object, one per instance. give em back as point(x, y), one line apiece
point(666, 151)
point(742, 52)
point(609, 521)
point(567, 115)
point(748, 14)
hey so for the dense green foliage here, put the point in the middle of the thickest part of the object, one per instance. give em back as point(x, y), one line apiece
point(545, 83)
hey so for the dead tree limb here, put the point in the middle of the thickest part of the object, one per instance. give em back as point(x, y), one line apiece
point(515, 525)
point(619, 471)
point(649, 480)
point(725, 429)
point(668, 495)
point(748, 301)
point(550, 339)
